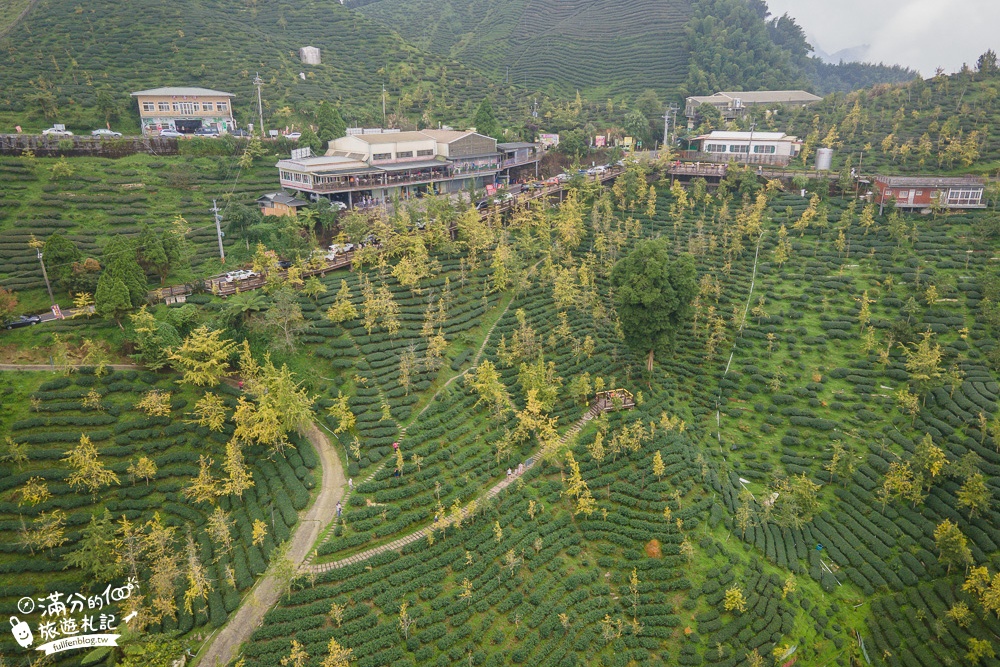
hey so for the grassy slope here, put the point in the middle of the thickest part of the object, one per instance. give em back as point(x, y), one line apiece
point(63, 47)
point(600, 47)
point(883, 561)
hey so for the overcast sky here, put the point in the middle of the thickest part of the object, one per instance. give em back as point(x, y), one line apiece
point(922, 34)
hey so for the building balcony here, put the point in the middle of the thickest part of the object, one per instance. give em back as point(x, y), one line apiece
point(517, 162)
point(375, 182)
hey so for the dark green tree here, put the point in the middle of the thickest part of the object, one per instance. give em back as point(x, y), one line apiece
point(312, 140)
point(153, 338)
point(149, 251)
point(572, 143)
point(158, 252)
point(112, 298)
point(987, 63)
point(486, 121)
point(653, 294)
point(709, 118)
point(636, 124)
point(120, 262)
point(60, 254)
point(107, 105)
point(331, 124)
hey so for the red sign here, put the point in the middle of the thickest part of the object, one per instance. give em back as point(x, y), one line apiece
point(57, 312)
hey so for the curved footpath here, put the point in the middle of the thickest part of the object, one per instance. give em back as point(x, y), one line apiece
point(223, 645)
point(493, 491)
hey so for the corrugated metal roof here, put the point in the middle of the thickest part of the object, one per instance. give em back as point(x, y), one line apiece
point(746, 136)
point(283, 198)
point(930, 181)
point(514, 145)
point(392, 137)
point(180, 92)
point(765, 96)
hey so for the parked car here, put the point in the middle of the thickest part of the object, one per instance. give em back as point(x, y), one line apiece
point(237, 132)
point(284, 264)
point(293, 136)
point(170, 132)
point(338, 205)
point(242, 274)
point(22, 321)
point(53, 132)
point(206, 132)
point(104, 132)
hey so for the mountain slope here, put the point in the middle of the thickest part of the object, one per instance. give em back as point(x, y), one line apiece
point(602, 47)
point(57, 58)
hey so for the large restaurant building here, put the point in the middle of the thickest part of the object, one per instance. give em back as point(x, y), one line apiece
point(374, 167)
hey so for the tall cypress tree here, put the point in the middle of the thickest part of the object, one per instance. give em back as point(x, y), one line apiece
point(486, 121)
point(120, 262)
point(331, 124)
point(112, 298)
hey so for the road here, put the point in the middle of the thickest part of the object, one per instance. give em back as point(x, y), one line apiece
point(223, 645)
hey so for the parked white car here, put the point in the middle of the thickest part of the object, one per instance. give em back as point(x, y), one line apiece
point(242, 274)
point(53, 132)
point(104, 132)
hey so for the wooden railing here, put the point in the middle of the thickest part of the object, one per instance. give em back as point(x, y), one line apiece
point(219, 286)
point(614, 399)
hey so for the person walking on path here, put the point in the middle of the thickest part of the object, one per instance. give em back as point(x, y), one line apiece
point(339, 509)
point(350, 483)
point(509, 473)
point(520, 468)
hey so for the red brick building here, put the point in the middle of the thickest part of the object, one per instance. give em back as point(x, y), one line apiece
point(920, 192)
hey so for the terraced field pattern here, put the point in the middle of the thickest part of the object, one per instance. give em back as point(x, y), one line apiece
point(600, 47)
point(792, 372)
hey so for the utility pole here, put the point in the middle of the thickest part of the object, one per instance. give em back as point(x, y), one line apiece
point(750, 143)
point(383, 108)
point(259, 83)
point(46, 276)
point(38, 245)
point(218, 230)
point(667, 137)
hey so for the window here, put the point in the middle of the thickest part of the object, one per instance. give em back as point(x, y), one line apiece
point(163, 106)
point(404, 154)
point(206, 106)
point(148, 106)
point(382, 156)
point(734, 148)
point(920, 192)
point(715, 148)
point(425, 153)
point(965, 196)
point(221, 106)
point(175, 107)
point(764, 150)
